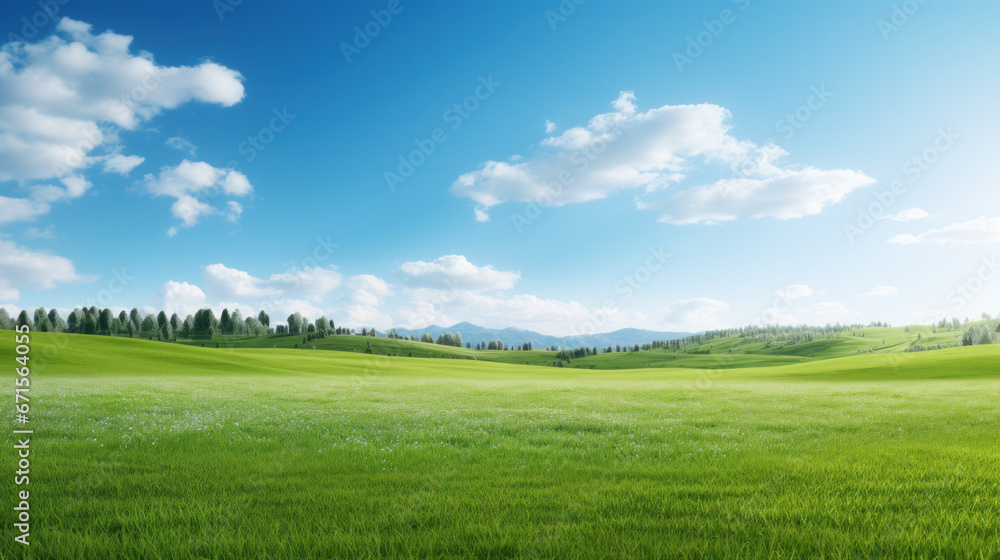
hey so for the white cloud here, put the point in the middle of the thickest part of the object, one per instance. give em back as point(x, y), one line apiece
point(910, 215)
point(122, 165)
point(790, 194)
point(21, 209)
point(229, 283)
point(23, 268)
point(185, 299)
point(280, 309)
point(881, 291)
point(181, 298)
point(455, 272)
point(34, 233)
point(233, 211)
point(62, 97)
point(188, 181)
point(560, 318)
point(311, 283)
point(368, 292)
point(451, 286)
point(41, 198)
point(982, 230)
point(830, 308)
point(696, 314)
point(794, 291)
point(182, 144)
point(420, 314)
point(550, 127)
point(626, 149)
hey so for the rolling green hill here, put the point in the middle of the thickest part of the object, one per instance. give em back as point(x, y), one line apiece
point(69, 354)
point(380, 346)
point(720, 353)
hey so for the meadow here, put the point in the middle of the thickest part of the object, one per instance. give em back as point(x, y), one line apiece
point(156, 450)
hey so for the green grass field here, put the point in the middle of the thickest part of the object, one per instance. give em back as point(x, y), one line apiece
point(155, 450)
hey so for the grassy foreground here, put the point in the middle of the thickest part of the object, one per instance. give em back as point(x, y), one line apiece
point(153, 450)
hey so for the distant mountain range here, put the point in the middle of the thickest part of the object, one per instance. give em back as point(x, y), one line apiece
point(515, 337)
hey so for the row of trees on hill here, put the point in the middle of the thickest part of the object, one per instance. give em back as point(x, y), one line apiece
point(91, 320)
point(987, 332)
point(204, 323)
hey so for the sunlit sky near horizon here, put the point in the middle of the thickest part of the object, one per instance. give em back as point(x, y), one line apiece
point(557, 167)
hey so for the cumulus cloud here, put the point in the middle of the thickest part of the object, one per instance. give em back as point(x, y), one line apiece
point(233, 211)
point(830, 308)
point(230, 283)
point(368, 292)
point(420, 314)
point(122, 165)
point(455, 272)
point(185, 299)
point(788, 194)
point(280, 309)
point(550, 127)
point(881, 291)
point(910, 215)
point(311, 283)
point(794, 291)
point(21, 209)
point(181, 298)
point(451, 286)
point(60, 99)
point(182, 144)
point(696, 314)
point(982, 230)
point(22, 268)
point(629, 150)
point(190, 182)
point(34, 233)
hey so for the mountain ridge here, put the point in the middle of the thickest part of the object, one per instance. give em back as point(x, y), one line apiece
point(512, 336)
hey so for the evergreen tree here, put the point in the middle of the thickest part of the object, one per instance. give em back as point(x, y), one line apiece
point(236, 322)
point(55, 320)
point(89, 323)
point(23, 319)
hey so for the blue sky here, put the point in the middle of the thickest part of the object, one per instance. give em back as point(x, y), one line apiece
point(744, 179)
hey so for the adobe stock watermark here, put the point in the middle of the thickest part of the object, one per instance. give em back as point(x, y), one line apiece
point(562, 12)
point(625, 288)
point(120, 280)
point(33, 24)
point(322, 251)
point(454, 117)
point(223, 7)
point(913, 169)
point(789, 124)
point(783, 302)
point(714, 28)
point(257, 143)
point(364, 34)
point(900, 16)
point(965, 292)
point(581, 160)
